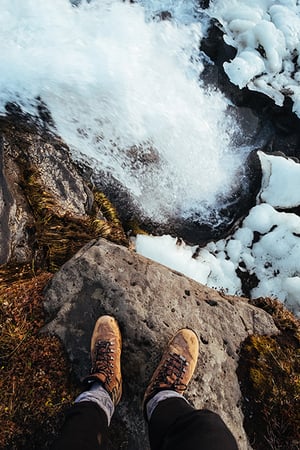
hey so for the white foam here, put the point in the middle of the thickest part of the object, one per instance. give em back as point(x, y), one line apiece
point(112, 78)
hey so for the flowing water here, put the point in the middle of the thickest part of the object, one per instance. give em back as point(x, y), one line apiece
point(123, 89)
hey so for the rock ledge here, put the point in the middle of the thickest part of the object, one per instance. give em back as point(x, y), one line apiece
point(151, 303)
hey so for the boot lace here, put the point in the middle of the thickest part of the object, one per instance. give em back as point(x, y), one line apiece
point(171, 373)
point(104, 359)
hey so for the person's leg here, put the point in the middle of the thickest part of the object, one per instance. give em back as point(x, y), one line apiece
point(85, 428)
point(173, 422)
point(86, 423)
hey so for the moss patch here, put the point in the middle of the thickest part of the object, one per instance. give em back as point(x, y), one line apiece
point(35, 383)
point(284, 319)
point(269, 374)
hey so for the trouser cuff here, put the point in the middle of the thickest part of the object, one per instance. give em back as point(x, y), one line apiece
point(99, 395)
point(159, 397)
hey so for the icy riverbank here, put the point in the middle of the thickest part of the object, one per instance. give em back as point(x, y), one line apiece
point(266, 247)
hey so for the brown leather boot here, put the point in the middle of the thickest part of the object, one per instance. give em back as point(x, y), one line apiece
point(106, 345)
point(177, 365)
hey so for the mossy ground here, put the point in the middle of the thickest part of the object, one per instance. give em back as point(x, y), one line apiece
point(35, 382)
point(269, 374)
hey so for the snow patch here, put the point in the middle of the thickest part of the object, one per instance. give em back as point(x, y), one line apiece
point(280, 181)
point(266, 35)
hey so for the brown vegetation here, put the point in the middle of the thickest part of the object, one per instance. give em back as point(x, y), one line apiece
point(269, 373)
point(35, 382)
point(56, 237)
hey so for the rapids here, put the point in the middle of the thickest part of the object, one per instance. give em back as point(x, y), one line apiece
point(123, 90)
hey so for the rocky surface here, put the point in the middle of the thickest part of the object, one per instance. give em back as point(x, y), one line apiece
point(151, 302)
point(26, 148)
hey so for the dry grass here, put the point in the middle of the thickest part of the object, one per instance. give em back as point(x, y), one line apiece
point(57, 237)
point(35, 381)
point(110, 228)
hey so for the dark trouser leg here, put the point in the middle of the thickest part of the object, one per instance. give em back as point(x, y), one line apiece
point(176, 425)
point(85, 428)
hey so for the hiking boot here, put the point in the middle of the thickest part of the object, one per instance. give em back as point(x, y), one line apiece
point(177, 365)
point(106, 345)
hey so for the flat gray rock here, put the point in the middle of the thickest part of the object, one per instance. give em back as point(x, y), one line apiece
point(151, 303)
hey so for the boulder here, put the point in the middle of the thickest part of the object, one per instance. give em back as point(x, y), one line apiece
point(151, 302)
point(26, 149)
